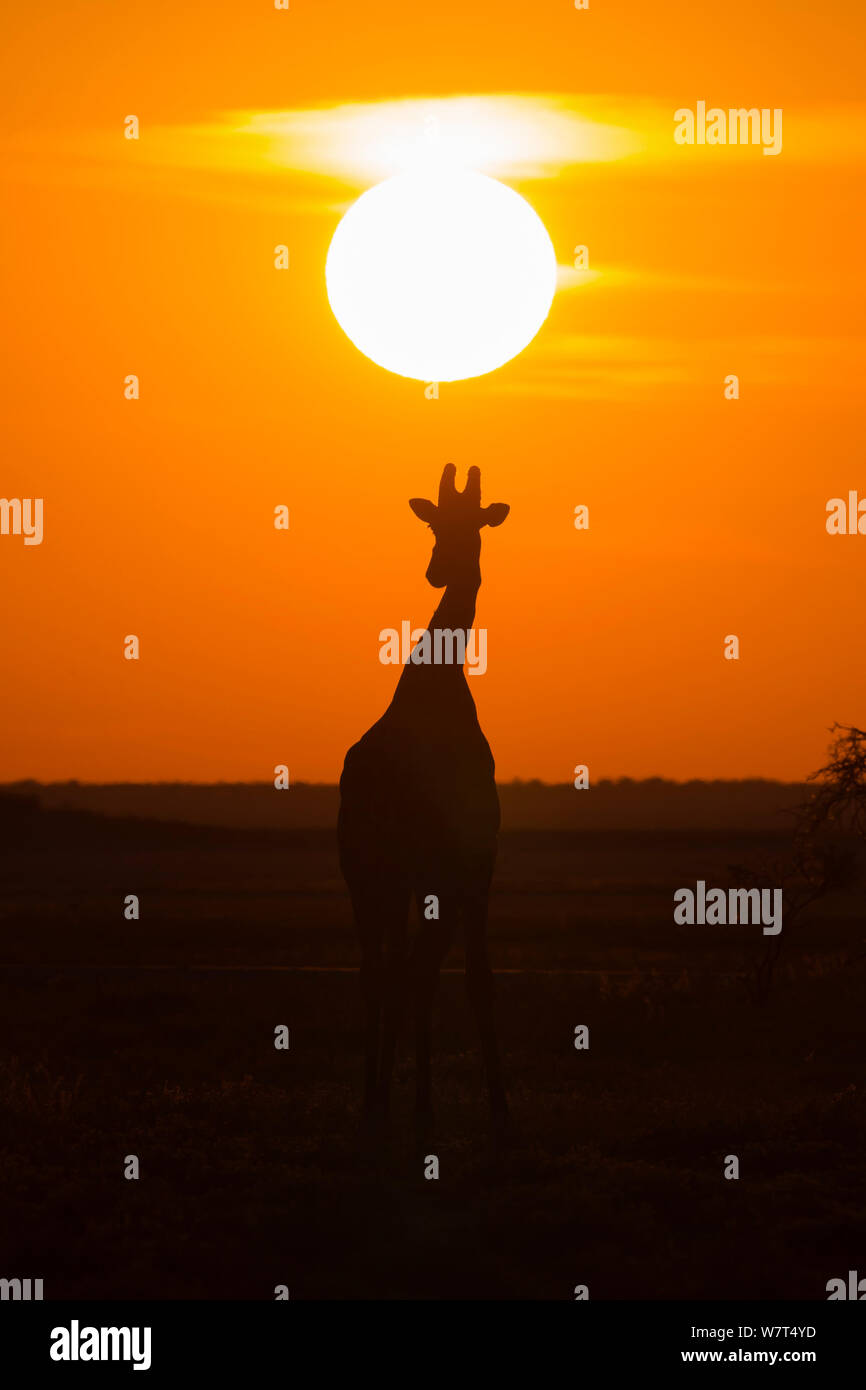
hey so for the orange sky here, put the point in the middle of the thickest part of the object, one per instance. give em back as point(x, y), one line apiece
point(156, 257)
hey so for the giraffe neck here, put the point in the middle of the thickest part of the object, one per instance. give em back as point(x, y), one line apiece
point(427, 685)
point(457, 606)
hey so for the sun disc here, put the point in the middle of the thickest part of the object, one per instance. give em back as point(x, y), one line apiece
point(441, 274)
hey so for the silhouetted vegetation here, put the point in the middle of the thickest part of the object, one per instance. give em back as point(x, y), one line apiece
point(826, 854)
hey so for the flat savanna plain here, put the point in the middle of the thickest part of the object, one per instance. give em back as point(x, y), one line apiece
point(155, 1038)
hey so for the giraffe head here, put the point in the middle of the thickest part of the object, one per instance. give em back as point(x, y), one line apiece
point(456, 521)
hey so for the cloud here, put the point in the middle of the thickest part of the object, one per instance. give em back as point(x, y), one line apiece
point(619, 367)
point(330, 152)
point(520, 136)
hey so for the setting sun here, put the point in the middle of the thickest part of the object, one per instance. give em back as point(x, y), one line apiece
point(441, 274)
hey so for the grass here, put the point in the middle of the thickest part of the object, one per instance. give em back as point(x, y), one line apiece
point(251, 1173)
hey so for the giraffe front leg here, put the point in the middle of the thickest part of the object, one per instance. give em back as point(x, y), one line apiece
point(381, 917)
point(372, 994)
point(479, 987)
point(393, 996)
point(436, 933)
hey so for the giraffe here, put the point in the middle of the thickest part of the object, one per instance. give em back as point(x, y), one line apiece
point(419, 817)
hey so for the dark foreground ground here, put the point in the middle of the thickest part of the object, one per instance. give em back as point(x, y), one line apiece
point(155, 1038)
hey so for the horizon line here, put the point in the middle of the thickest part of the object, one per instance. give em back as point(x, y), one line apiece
point(535, 782)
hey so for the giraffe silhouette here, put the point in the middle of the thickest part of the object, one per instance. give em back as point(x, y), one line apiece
point(419, 817)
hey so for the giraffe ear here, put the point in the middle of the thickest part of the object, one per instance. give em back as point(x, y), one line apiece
point(495, 514)
point(427, 511)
